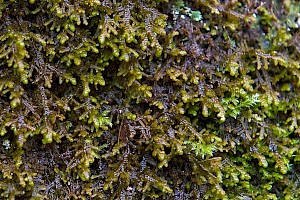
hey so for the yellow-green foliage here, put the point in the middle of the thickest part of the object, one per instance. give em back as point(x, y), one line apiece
point(139, 99)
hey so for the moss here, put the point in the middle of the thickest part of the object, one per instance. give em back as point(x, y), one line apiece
point(149, 99)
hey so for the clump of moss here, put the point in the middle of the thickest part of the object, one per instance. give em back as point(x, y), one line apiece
point(149, 99)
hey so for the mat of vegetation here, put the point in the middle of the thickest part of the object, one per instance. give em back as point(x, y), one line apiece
point(140, 99)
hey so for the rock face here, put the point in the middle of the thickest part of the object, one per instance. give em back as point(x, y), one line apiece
point(142, 99)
